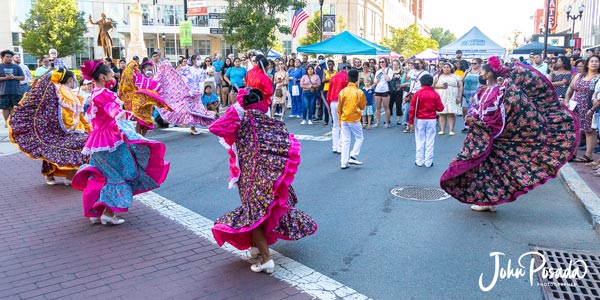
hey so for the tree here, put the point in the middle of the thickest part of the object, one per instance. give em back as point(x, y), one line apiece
point(408, 41)
point(54, 24)
point(252, 24)
point(442, 36)
point(313, 29)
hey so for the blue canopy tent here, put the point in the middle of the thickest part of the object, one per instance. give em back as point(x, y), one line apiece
point(537, 48)
point(273, 54)
point(345, 43)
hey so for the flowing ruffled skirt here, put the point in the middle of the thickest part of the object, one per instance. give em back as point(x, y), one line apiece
point(268, 157)
point(539, 137)
point(186, 109)
point(112, 178)
point(36, 130)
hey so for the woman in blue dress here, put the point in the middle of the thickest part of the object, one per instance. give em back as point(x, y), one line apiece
point(296, 74)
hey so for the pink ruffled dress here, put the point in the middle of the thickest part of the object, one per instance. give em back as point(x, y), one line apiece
point(122, 162)
point(263, 160)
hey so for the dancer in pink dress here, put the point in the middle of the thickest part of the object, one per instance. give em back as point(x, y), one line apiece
point(122, 162)
point(185, 102)
point(263, 160)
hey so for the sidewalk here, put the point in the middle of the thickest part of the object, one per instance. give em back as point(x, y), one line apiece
point(48, 250)
point(586, 187)
point(6, 147)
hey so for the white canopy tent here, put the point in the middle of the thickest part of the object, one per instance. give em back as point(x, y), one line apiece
point(474, 44)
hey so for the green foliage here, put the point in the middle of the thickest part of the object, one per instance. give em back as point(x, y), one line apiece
point(313, 30)
point(252, 24)
point(54, 24)
point(408, 41)
point(442, 36)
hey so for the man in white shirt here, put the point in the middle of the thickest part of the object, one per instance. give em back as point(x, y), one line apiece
point(414, 76)
point(24, 84)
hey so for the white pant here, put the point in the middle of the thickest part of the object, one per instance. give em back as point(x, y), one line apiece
point(354, 128)
point(335, 130)
point(425, 139)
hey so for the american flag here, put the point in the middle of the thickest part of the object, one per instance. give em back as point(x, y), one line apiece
point(297, 19)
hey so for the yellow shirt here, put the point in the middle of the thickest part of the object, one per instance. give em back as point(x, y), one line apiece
point(71, 111)
point(351, 102)
point(328, 76)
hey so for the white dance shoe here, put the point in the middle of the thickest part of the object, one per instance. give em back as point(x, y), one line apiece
point(114, 220)
point(483, 208)
point(267, 267)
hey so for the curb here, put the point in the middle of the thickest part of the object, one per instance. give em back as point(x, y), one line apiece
point(579, 188)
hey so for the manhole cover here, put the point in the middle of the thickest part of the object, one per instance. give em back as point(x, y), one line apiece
point(568, 274)
point(420, 193)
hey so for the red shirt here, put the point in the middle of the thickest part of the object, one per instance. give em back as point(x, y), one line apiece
point(256, 78)
point(429, 103)
point(337, 83)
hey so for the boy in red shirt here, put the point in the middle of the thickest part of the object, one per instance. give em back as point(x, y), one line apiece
point(424, 105)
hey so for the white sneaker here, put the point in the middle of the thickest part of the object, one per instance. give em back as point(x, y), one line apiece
point(310, 122)
point(354, 161)
point(344, 166)
point(94, 220)
point(303, 122)
point(67, 182)
point(268, 267)
point(483, 208)
point(114, 220)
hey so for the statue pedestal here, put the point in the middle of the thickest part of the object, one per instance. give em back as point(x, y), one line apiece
point(136, 44)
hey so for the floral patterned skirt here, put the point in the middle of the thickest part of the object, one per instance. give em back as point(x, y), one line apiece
point(35, 129)
point(268, 157)
point(112, 177)
point(539, 137)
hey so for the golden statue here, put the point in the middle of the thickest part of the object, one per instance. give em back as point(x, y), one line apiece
point(104, 39)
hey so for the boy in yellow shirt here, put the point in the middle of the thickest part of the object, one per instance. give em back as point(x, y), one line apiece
point(351, 102)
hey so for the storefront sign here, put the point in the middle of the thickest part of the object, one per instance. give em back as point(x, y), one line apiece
point(197, 8)
point(552, 22)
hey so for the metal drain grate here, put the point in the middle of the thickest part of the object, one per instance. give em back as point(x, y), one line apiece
point(420, 193)
point(569, 287)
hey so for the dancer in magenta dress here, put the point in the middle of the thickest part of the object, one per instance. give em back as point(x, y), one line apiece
point(185, 103)
point(520, 135)
point(122, 162)
point(264, 159)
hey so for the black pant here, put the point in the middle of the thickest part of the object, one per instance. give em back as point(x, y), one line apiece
point(396, 98)
point(323, 110)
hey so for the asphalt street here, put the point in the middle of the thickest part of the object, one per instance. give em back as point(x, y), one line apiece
point(378, 244)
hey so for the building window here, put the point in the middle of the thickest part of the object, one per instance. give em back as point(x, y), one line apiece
point(150, 45)
point(202, 47)
point(227, 49)
point(170, 48)
point(199, 21)
point(172, 15)
point(15, 38)
point(148, 15)
point(87, 53)
point(287, 45)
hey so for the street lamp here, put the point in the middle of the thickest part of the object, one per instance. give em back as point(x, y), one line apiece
point(574, 17)
point(321, 22)
point(164, 36)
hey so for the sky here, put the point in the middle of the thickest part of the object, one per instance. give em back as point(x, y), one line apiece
point(496, 19)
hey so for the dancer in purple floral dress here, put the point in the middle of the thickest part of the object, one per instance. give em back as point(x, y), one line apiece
point(264, 159)
point(520, 135)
